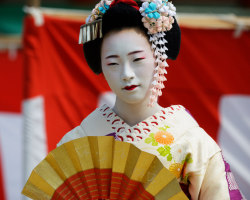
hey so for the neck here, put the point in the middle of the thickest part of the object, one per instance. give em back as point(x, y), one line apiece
point(134, 113)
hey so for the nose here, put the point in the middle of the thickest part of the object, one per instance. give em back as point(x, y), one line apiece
point(127, 73)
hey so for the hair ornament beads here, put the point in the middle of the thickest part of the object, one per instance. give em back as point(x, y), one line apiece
point(99, 10)
point(157, 18)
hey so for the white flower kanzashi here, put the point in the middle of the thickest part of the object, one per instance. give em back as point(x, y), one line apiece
point(158, 17)
point(172, 9)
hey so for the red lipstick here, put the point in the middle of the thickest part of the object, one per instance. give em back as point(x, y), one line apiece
point(131, 87)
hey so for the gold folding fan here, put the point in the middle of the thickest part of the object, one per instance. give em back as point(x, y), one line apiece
point(101, 168)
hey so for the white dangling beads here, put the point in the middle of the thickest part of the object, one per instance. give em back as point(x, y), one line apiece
point(156, 75)
point(154, 83)
point(159, 71)
point(159, 92)
point(165, 41)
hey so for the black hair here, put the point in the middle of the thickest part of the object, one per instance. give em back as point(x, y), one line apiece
point(122, 16)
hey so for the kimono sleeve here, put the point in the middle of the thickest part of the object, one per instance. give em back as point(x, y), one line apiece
point(219, 182)
point(202, 150)
point(75, 133)
point(208, 173)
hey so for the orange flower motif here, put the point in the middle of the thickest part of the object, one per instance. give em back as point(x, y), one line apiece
point(164, 137)
point(176, 169)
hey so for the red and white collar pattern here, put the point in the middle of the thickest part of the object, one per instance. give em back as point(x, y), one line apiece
point(135, 133)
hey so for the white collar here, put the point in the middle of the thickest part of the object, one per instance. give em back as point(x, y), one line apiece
point(137, 132)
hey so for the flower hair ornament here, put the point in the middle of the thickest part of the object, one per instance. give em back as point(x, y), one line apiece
point(157, 18)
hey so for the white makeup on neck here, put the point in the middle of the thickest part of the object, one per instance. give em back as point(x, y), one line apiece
point(128, 66)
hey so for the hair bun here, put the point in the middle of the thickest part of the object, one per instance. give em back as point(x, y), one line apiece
point(174, 41)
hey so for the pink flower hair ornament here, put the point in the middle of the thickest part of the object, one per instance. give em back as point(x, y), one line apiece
point(157, 18)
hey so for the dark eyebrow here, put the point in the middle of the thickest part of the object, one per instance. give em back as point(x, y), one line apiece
point(134, 52)
point(131, 53)
point(112, 56)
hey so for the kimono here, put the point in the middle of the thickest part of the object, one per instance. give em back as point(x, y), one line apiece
point(174, 136)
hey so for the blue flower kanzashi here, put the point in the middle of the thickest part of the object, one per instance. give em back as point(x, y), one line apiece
point(165, 2)
point(104, 8)
point(151, 11)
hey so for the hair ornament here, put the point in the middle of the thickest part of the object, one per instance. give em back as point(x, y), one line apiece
point(157, 15)
point(99, 10)
point(157, 18)
point(90, 31)
point(103, 8)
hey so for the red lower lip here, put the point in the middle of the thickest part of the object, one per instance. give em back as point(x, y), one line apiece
point(132, 87)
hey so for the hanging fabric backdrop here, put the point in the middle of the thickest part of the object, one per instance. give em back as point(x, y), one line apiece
point(11, 95)
point(211, 78)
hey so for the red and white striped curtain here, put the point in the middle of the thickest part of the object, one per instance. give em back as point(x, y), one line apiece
point(211, 78)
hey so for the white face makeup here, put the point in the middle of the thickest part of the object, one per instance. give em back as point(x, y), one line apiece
point(128, 65)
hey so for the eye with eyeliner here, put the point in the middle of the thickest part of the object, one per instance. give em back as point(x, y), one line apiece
point(112, 64)
point(138, 59)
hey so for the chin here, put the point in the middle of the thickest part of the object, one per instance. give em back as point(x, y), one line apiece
point(134, 99)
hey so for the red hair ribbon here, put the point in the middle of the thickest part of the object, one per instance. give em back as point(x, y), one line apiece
point(128, 2)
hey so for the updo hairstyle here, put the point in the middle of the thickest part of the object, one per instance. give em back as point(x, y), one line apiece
point(122, 16)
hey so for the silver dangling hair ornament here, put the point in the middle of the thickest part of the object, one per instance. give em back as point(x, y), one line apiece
point(90, 31)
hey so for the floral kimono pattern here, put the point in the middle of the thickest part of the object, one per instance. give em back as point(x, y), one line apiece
point(177, 140)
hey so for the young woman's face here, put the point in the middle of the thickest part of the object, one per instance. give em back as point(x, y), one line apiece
point(128, 65)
